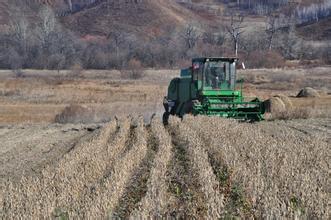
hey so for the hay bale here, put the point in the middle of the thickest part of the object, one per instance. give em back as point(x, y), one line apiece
point(275, 104)
point(308, 92)
point(286, 100)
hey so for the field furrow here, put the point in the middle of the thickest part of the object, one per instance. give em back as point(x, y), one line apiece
point(186, 197)
point(156, 200)
point(200, 163)
point(272, 170)
point(58, 186)
point(137, 186)
point(42, 146)
point(114, 149)
point(196, 168)
point(106, 196)
point(235, 202)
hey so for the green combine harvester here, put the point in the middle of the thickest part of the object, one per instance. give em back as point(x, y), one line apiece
point(208, 87)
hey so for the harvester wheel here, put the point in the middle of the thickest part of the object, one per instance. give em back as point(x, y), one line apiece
point(165, 118)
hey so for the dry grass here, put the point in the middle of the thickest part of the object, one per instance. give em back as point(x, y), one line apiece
point(296, 113)
point(272, 82)
point(42, 95)
point(283, 174)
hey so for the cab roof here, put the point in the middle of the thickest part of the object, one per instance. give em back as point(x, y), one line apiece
point(204, 59)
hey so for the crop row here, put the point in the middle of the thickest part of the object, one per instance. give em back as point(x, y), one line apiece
point(200, 164)
point(275, 171)
point(155, 202)
point(41, 195)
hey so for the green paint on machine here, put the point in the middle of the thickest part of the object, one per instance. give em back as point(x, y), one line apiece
point(208, 87)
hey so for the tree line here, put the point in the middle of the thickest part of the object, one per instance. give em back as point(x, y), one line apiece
point(47, 45)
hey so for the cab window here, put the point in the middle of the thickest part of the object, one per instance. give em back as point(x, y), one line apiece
point(197, 70)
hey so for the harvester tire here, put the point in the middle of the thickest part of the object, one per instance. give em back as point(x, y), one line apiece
point(165, 118)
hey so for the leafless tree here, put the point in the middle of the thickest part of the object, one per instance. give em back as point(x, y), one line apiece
point(271, 29)
point(70, 5)
point(190, 36)
point(47, 24)
point(291, 44)
point(117, 38)
point(235, 29)
point(19, 28)
point(56, 61)
point(214, 38)
point(15, 62)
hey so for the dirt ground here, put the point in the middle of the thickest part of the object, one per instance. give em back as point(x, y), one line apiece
point(133, 166)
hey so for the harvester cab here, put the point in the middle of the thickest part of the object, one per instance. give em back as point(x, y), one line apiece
point(208, 87)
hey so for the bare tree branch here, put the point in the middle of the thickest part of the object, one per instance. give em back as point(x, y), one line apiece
point(271, 29)
point(235, 30)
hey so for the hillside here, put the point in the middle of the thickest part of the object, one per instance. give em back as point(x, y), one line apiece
point(142, 18)
point(146, 18)
point(3, 15)
point(108, 34)
point(154, 18)
point(321, 30)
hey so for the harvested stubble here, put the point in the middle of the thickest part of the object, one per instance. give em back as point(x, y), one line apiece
point(200, 165)
point(113, 187)
point(137, 186)
point(57, 186)
point(155, 202)
point(285, 175)
point(204, 167)
point(236, 205)
point(64, 189)
point(186, 198)
point(115, 149)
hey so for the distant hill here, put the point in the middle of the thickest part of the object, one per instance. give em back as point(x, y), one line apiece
point(148, 17)
point(112, 33)
point(321, 30)
point(139, 17)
